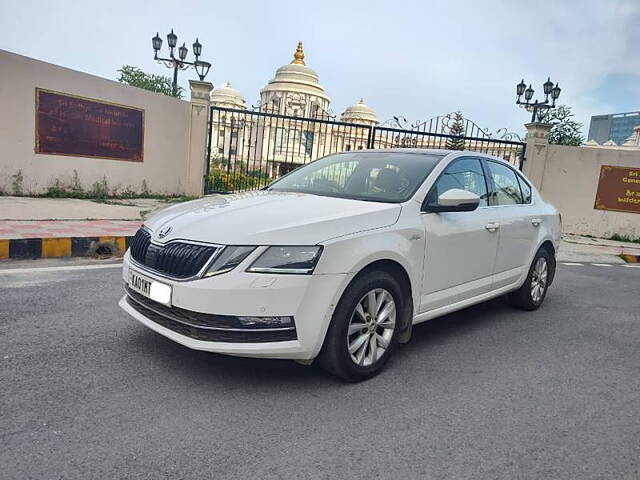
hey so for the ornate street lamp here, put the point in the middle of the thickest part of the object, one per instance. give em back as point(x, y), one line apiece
point(201, 67)
point(539, 109)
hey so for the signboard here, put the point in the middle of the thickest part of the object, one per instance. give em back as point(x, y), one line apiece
point(618, 189)
point(82, 127)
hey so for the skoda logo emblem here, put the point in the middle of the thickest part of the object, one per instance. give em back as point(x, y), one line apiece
point(164, 232)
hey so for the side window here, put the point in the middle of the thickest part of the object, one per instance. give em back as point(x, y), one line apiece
point(465, 174)
point(507, 189)
point(525, 188)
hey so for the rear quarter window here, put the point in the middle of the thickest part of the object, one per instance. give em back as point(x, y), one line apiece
point(525, 188)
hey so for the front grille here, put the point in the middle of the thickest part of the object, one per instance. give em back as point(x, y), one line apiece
point(203, 326)
point(175, 259)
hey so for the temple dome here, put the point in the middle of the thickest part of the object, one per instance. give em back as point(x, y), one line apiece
point(295, 79)
point(360, 113)
point(228, 97)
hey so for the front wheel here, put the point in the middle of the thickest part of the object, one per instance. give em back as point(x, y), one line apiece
point(533, 291)
point(364, 327)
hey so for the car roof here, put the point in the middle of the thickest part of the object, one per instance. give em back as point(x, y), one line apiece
point(419, 151)
point(425, 151)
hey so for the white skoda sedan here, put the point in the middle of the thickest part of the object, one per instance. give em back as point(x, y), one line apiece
point(338, 259)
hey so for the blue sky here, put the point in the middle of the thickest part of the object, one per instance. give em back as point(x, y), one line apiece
point(418, 59)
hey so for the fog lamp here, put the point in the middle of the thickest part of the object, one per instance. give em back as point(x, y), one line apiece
point(266, 322)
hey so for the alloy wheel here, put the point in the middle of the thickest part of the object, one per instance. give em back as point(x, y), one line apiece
point(371, 327)
point(539, 279)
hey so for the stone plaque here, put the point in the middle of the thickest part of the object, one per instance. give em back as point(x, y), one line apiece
point(82, 127)
point(618, 189)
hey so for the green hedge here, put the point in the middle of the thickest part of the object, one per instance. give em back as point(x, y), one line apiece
point(222, 181)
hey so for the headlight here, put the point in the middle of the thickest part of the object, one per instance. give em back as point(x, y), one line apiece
point(229, 258)
point(300, 260)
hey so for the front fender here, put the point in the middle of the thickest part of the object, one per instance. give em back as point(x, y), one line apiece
point(351, 254)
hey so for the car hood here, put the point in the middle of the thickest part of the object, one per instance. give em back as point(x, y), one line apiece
point(270, 218)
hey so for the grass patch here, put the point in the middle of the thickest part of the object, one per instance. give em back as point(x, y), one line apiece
point(100, 196)
point(624, 238)
point(117, 199)
point(101, 192)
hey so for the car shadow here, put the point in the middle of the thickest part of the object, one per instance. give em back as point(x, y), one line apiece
point(215, 367)
point(459, 323)
point(212, 367)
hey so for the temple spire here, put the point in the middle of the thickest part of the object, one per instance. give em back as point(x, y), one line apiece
point(298, 57)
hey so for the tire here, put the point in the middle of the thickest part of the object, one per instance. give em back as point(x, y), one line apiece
point(354, 347)
point(534, 289)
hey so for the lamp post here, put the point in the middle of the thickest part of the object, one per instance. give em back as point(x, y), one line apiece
point(539, 109)
point(201, 67)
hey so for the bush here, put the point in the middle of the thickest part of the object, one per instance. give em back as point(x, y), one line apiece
point(259, 174)
point(76, 186)
point(16, 183)
point(222, 181)
point(100, 189)
point(624, 238)
point(57, 190)
point(128, 192)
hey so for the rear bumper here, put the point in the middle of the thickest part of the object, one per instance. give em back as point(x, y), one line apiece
point(309, 299)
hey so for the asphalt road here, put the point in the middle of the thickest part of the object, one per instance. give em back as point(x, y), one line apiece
point(486, 393)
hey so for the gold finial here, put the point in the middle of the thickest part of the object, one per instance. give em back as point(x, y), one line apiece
point(298, 57)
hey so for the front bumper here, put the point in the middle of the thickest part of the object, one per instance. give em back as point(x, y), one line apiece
point(310, 299)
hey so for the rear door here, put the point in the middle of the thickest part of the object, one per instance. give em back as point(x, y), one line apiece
point(518, 225)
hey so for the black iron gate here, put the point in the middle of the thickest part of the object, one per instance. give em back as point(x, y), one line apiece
point(247, 149)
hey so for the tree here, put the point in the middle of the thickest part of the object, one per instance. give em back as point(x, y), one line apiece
point(156, 83)
point(456, 130)
point(565, 130)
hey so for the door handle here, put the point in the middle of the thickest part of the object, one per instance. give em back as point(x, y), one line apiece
point(535, 222)
point(492, 226)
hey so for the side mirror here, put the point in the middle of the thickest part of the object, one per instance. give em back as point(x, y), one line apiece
point(454, 200)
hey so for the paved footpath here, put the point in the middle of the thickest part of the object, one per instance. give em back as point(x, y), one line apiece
point(16, 229)
point(62, 227)
point(37, 208)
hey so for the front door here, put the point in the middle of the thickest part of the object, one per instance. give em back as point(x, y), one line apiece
point(460, 246)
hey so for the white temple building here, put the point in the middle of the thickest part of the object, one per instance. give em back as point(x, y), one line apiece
point(294, 125)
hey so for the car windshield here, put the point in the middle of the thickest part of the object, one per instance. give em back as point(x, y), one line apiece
point(372, 176)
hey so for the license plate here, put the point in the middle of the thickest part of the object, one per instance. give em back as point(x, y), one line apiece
point(150, 288)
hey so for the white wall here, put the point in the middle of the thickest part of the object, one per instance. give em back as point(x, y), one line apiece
point(568, 178)
point(166, 131)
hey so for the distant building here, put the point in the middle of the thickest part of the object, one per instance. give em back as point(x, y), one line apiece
point(617, 127)
point(276, 145)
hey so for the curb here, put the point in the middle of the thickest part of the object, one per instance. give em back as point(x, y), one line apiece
point(630, 258)
point(23, 248)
